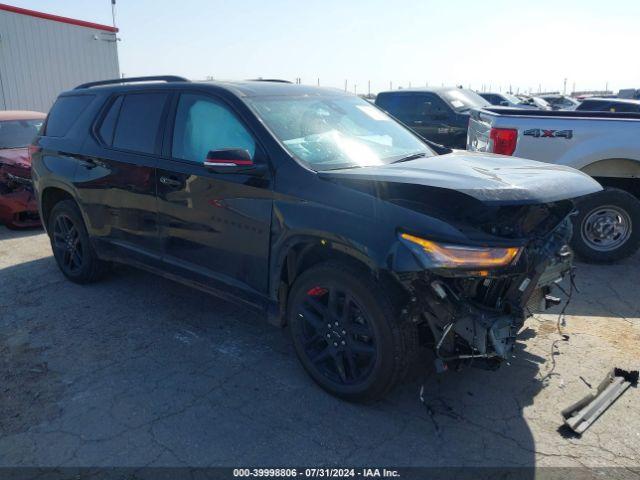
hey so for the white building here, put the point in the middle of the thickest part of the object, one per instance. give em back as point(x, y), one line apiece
point(42, 55)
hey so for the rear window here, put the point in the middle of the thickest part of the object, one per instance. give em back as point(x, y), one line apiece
point(18, 133)
point(138, 122)
point(64, 114)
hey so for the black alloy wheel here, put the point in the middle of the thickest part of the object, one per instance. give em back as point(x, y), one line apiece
point(346, 331)
point(71, 246)
point(336, 334)
point(67, 245)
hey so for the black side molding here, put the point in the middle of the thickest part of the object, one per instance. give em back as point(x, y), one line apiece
point(156, 78)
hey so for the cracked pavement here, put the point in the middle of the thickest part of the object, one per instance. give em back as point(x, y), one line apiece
point(140, 371)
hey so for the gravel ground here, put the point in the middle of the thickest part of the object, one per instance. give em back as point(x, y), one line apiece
point(137, 370)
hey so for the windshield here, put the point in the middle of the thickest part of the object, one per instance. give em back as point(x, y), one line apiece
point(512, 98)
point(333, 132)
point(18, 133)
point(461, 99)
point(541, 103)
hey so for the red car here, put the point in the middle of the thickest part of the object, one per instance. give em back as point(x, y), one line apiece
point(18, 207)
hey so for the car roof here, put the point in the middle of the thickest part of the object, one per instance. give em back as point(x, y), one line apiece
point(6, 115)
point(424, 90)
point(246, 88)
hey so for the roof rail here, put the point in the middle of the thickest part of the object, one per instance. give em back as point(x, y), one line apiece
point(157, 78)
point(275, 80)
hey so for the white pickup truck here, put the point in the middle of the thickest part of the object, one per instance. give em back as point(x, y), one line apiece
point(603, 145)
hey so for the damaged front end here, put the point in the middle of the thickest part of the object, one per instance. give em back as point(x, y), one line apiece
point(474, 299)
point(18, 206)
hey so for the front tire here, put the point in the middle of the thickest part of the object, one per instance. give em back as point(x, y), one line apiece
point(607, 227)
point(346, 332)
point(71, 246)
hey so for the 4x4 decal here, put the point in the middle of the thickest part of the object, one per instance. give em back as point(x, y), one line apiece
point(537, 133)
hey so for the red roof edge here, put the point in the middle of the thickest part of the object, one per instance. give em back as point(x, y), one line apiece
point(56, 18)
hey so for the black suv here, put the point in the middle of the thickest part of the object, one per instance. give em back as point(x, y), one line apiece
point(440, 115)
point(312, 206)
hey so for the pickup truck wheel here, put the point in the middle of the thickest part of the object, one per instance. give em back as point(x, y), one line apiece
point(71, 246)
point(346, 334)
point(607, 227)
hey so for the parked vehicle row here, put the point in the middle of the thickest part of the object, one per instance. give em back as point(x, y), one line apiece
point(560, 102)
point(609, 105)
point(315, 207)
point(505, 100)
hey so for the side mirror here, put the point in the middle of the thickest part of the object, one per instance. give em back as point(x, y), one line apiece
point(232, 160)
point(228, 157)
point(504, 103)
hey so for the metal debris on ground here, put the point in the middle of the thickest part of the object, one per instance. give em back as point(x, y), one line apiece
point(579, 416)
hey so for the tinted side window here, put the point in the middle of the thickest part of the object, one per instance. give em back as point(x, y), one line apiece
point(433, 104)
point(138, 122)
point(64, 113)
point(204, 124)
point(108, 126)
point(492, 99)
point(402, 106)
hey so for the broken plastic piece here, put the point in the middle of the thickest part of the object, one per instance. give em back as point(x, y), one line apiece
point(579, 416)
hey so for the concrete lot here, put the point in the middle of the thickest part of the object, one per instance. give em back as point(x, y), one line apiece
point(138, 370)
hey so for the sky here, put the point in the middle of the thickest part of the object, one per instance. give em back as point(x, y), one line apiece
point(484, 44)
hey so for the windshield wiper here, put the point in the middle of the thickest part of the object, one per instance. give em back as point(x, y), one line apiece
point(413, 156)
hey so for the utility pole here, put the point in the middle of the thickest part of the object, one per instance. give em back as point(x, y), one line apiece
point(345, 85)
point(564, 89)
point(318, 81)
point(390, 85)
point(368, 88)
point(355, 89)
point(113, 12)
point(606, 87)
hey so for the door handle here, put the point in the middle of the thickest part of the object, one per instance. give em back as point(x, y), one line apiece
point(170, 182)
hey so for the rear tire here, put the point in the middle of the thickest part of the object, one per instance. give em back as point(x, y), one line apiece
point(346, 332)
point(71, 245)
point(607, 227)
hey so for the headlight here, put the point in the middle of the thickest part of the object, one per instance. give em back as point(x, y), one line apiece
point(443, 255)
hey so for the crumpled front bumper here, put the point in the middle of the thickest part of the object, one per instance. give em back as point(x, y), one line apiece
point(477, 317)
point(18, 204)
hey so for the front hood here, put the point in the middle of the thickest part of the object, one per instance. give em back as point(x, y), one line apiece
point(489, 178)
point(15, 156)
point(14, 162)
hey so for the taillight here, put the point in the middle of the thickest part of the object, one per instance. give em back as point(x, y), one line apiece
point(503, 140)
point(33, 149)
